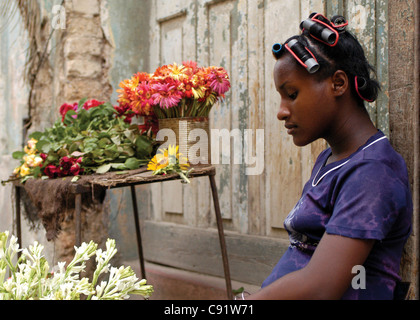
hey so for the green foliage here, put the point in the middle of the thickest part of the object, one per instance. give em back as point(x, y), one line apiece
point(104, 141)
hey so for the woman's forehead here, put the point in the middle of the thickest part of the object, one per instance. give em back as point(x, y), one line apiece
point(287, 67)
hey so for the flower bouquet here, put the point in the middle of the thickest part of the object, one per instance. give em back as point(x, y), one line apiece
point(174, 91)
point(31, 277)
point(90, 137)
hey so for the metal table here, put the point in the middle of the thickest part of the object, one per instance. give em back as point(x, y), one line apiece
point(142, 177)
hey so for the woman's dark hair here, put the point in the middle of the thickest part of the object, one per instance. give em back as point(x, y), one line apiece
point(347, 55)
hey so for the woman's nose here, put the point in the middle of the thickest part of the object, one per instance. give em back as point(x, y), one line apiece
point(283, 112)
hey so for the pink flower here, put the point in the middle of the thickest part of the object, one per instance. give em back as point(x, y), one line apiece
point(167, 95)
point(219, 82)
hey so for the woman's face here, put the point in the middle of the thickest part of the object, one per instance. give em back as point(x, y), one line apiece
point(307, 105)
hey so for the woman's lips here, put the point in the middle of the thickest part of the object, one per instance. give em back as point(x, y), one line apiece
point(290, 128)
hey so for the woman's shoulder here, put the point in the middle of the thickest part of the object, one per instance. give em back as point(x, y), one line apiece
point(376, 160)
point(378, 156)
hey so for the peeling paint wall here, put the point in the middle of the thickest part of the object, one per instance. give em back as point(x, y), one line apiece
point(14, 93)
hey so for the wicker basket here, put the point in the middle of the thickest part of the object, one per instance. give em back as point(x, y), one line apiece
point(182, 128)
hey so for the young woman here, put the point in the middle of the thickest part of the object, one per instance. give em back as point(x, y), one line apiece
point(348, 230)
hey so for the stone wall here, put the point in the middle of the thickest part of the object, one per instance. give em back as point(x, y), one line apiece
point(68, 64)
point(81, 71)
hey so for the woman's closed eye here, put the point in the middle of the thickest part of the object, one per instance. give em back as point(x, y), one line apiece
point(293, 95)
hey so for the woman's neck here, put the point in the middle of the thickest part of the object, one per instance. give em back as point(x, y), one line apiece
point(353, 132)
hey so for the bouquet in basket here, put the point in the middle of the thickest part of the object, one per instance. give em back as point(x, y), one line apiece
point(174, 91)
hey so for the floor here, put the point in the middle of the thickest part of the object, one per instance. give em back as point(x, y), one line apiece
point(175, 284)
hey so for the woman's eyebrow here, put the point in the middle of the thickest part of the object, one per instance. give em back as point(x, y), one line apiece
point(284, 83)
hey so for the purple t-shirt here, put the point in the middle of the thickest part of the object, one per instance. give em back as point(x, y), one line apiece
point(364, 196)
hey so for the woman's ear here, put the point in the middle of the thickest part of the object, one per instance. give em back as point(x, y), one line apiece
point(339, 82)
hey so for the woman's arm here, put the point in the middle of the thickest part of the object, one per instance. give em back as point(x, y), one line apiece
point(327, 275)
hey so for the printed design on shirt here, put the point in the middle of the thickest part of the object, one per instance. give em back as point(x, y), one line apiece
point(297, 239)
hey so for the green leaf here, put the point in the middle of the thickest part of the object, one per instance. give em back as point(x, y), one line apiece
point(121, 172)
point(129, 151)
point(238, 291)
point(18, 155)
point(130, 135)
point(52, 158)
point(43, 146)
point(68, 119)
point(104, 168)
point(132, 163)
point(36, 135)
point(116, 140)
point(63, 152)
point(103, 142)
point(81, 103)
point(118, 166)
point(109, 108)
point(144, 146)
point(74, 147)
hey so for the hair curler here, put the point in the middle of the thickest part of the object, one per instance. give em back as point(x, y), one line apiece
point(360, 85)
point(277, 50)
point(320, 31)
point(302, 55)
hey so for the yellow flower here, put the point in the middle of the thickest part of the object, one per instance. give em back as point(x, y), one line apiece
point(16, 171)
point(32, 143)
point(30, 147)
point(167, 157)
point(159, 161)
point(24, 170)
point(177, 72)
point(198, 92)
point(38, 161)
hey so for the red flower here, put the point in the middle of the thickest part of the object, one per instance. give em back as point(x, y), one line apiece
point(75, 169)
point(92, 103)
point(66, 107)
point(149, 122)
point(52, 171)
point(70, 166)
point(87, 105)
point(122, 110)
point(65, 165)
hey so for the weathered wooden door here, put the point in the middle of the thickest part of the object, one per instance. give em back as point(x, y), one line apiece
point(238, 35)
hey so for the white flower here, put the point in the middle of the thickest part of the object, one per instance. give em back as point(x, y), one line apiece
point(30, 278)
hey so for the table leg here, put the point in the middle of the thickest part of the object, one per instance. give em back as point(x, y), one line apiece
point(221, 237)
point(138, 232)
point(78, 226)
